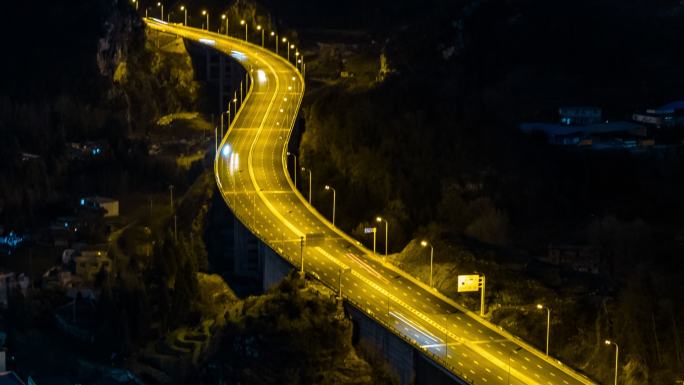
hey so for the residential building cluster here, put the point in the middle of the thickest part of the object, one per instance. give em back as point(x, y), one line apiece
point(585, 127)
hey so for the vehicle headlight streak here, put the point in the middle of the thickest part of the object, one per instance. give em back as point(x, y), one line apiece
point(234, 163)
point(261, 76)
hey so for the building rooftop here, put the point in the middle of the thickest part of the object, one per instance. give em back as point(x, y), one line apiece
point(553, 129)
point(670, 107)
point(10, 378)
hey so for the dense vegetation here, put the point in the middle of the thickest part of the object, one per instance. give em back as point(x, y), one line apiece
point(435, 148)
point(293, 335)
point(86, 72)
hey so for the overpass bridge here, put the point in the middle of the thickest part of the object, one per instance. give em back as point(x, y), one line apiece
point(251, 170)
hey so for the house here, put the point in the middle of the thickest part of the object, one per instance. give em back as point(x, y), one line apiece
point(90, 262)
point(668, 116)
point(10, 282)
point(87, 149)
point(109, 206)
point(577, 116)
point(616, 134)
point(58, 276)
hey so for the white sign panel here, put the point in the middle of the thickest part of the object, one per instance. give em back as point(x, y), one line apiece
point(369, 230)
point(468, 283)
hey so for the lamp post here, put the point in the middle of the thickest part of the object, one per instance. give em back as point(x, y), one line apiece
point(379, 220)
point(310, 179)
point(339, 281)
point(136, 4)
point(284, 41)
point(205, 13)
point(225, 17)
point(159, 4)
point(548, 324)
point(288, 51)
point(617, 350)
point(262, 35)
point(301, 256)
point(296, 58)
point(171, 196)
point(432, 253)
point(295, 167)
point(242, 22)
point(273, 34)
point(185, 10)
point(327, 187)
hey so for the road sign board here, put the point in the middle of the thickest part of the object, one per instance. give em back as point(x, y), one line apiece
point(468, 283)
point(369, 230)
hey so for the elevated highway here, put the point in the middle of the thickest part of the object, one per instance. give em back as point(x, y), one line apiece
point(251, 172)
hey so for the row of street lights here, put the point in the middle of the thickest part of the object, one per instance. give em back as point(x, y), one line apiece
point(378, 219)
point(299, 58)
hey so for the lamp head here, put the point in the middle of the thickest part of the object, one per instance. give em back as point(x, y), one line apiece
point(540, 306)
point(223, 16)
point(327, 187)
point(272, 33)
point(182, 7)
point(242, 22)
point(423, 243)
point(284, 39)
point(258, 28)
point(608, 342)
point(204, 12)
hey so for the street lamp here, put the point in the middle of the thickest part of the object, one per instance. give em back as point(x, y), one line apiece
point(136, 4)
point(379, 220)
point(617, 350)
point(242, 22)
point(295, 167)
point(310, 179)
point(432, 253)
point(339, 281)
point(548, 324)
point(288, 51)
point(284, 41)
point(273, 34)
point(224, 17)
point(204, 12)
point(262, 35)
point(328, 188)
point(159, 4)
point(185, 10)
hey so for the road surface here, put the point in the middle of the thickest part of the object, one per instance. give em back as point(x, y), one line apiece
point(251, 171)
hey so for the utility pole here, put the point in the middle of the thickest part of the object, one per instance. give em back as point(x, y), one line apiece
point(301, 256)
point(482, 295)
